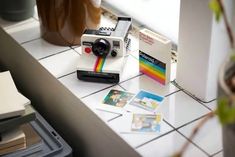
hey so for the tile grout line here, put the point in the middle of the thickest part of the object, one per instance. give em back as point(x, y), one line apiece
point(114, 118)
point(193, 143)
point(143, 74)
point(217, 153)
point(130, 78)
point(54, 54)
point(177, 130)
point(35, 18)
point(169, 124)
point(194, 98)
point(172, 93)
point(190, 94)
point(133, 55)
point(66, 75)
point(122, 87)
point(15, 24)
point(197, 98)
point(172, 82)
point(205, 106)
point(190, 122)
point(103, 88)
point(107, 111)
point(199, 101)
point(98, 91)
point(149, 141)
point(25, 42)
point(75, 50)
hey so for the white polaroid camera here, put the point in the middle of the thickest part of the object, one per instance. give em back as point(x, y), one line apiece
point(103, 52)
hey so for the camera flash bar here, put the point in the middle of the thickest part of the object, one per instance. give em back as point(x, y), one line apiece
point(122, 27)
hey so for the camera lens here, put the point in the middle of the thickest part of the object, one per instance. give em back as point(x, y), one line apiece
point(101, 47)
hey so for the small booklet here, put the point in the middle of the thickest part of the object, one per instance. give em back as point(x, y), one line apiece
point(12, 141)
point(12, 103)
point(146, 122)
point(147, 100)
point(32, 137)
point(117, 98)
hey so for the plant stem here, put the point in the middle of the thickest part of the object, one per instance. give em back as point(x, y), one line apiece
point(194, 133)
point(228, 28)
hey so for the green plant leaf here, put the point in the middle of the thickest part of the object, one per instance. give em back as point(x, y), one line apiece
point(233, 55)
point(225, 111)
point(215, 7)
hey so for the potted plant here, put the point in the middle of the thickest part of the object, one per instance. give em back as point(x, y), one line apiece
point(16, 10)
point(226, 106)
point(62, 22)
point(226, 92)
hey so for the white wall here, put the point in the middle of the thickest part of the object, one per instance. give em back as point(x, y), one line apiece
point(203, 46)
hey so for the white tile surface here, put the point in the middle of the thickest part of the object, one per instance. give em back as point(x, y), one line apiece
point(75, 46)
point(212, 105)
point(209, 137)
point(10, 24)
point(105, 115)
point(148, 84)
point(26, 32)
point(168, 145)
point(131, 68)
point(179, 109)
point(35, 13)
point(81, 88)
point(40, 48)
point(134, 45)
point(134, 53)
point(78, 49)
point(219, 155)
point(122, 126)
point(61, 64)
point(94, 102)
point(173, 71)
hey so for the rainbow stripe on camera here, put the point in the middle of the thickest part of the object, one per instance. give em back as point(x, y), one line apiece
point(99, 64)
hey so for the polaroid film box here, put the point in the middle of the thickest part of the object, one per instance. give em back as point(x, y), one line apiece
point(155, 56)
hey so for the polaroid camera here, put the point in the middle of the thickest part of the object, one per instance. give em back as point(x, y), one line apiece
point(103, 52)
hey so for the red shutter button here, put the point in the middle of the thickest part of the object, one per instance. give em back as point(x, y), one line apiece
point(88, 50)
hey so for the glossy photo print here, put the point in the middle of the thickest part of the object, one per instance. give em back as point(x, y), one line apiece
point(146, 122)
point(147, 100)
point(117, 98)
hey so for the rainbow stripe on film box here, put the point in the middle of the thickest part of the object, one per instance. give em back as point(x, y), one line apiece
point(155, 56)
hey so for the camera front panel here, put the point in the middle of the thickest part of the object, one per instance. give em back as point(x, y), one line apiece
point(102, 46)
